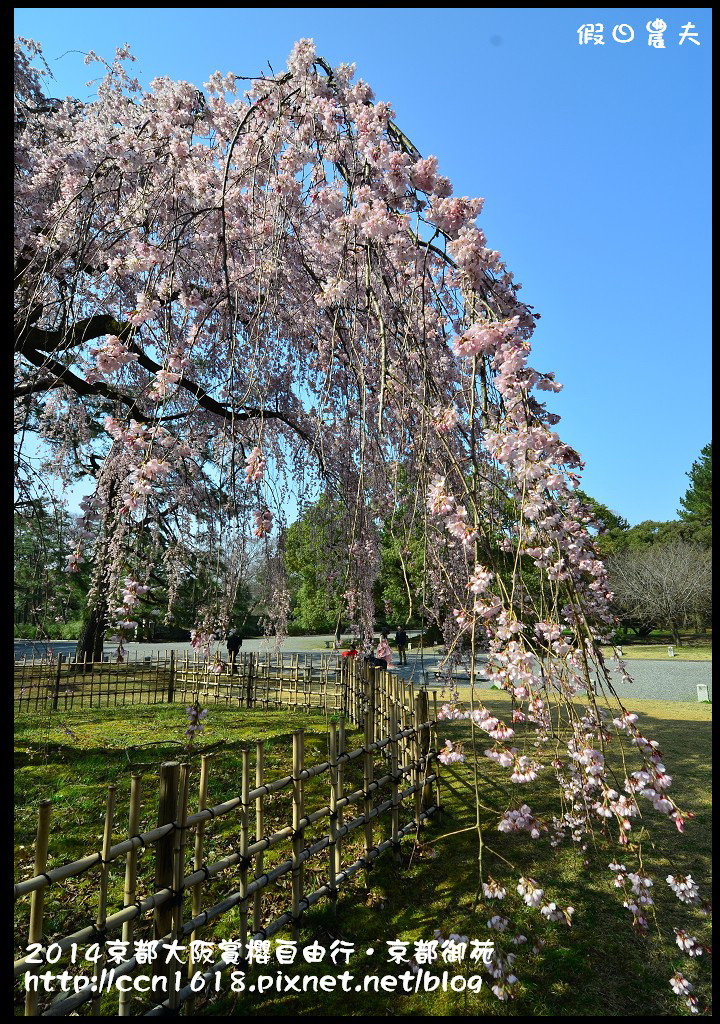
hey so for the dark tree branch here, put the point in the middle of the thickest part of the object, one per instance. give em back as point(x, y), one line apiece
point(84, 330)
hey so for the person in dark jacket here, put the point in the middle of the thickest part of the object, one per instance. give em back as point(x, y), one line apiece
point(401, 639)
point(234, 643)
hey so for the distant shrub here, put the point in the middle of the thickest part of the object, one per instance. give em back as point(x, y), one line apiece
point(170, 633)
point(49, 630)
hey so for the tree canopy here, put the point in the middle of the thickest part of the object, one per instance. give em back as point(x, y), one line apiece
point(697, 502)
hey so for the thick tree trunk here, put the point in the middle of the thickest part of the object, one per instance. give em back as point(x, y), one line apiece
point(92, 635)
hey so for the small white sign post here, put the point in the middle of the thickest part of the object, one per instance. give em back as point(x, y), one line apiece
point(702, 692)
point(671, 652)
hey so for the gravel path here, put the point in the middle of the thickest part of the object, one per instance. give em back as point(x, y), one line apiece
point(657, 680)
point(671, 679)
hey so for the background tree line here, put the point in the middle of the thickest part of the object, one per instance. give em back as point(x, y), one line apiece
point(660, 572)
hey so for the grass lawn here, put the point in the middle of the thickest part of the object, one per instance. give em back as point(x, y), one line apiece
point(598, 967)
point(693, 647)
point(658, 652)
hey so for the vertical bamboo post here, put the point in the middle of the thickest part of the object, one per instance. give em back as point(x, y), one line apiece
point(37, 900)
point(197, 864)
point(200, 837)
point(102, 896)
point(92, 682)
point(424, 739)
point(332, 753)
point(171, 679)
point(436, 763)
point(406, 741)
point(346, 670)
point(259, 829)
point(394, 774)
point(363, 695)
point(178, 873)
point(298, 839)
point(167, 812)
point(56, 688)
point(130, 880)
point(417, 771)
point(340, 787)
point(367, 779)
point(249, 698)
point(244, 814)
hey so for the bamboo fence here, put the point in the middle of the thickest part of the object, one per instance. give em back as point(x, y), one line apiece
point(303, 681)
point(399, 788)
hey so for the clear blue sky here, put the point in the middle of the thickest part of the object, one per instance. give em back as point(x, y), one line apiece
point(594, 162)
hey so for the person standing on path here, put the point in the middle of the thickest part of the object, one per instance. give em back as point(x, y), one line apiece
point(401, 639)
point(234, 643)
point(383, 650)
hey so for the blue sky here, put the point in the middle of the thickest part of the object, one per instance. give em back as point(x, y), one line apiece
point(594, 162)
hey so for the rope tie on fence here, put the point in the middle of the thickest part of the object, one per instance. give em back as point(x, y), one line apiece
point(176, 896)
point(98, 935)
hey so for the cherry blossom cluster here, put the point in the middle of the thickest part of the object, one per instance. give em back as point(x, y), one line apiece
point(684, 888)
point(196, 721)
point(520, 820)
point(682, 987)
point(263, 518)
point(451, 753)
point(110, 357)
point(255, 465)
